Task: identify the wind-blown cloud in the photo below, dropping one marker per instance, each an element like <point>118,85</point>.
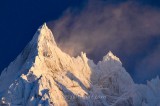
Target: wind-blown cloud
<point>124,28</point>
<point>149,67</point>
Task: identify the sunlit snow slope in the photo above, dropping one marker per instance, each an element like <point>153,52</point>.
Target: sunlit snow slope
<point>43,75</point>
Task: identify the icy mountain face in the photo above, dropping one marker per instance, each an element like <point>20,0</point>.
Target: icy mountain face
<point>43,75</point>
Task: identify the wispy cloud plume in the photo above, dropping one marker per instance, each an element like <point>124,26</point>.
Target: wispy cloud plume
<point>124,28</point>
<point>149,67</point>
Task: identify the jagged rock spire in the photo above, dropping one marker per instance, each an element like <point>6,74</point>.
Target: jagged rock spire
<point>111,56</point>
<point>42,35</point>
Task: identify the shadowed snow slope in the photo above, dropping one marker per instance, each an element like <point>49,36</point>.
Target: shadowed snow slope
<point>43,75</point>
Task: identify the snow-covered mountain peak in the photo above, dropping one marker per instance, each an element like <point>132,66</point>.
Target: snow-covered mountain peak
<point>44,26</point>
<point>43,42</point>
<point>111,56</point>
<point>43,75</point>
<point>31,61</point>
<point>43,36</point>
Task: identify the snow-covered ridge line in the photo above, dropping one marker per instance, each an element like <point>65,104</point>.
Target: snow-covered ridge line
<point>43,75</point>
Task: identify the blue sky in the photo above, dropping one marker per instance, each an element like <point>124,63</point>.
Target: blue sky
<point>132,33</point>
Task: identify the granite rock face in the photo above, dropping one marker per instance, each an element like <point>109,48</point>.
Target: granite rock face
<point>43,75</point>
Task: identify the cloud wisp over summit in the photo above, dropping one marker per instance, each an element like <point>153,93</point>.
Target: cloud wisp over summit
<point>127,28</point>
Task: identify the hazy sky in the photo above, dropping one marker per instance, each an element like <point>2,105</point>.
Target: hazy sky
<point>129,28</point>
